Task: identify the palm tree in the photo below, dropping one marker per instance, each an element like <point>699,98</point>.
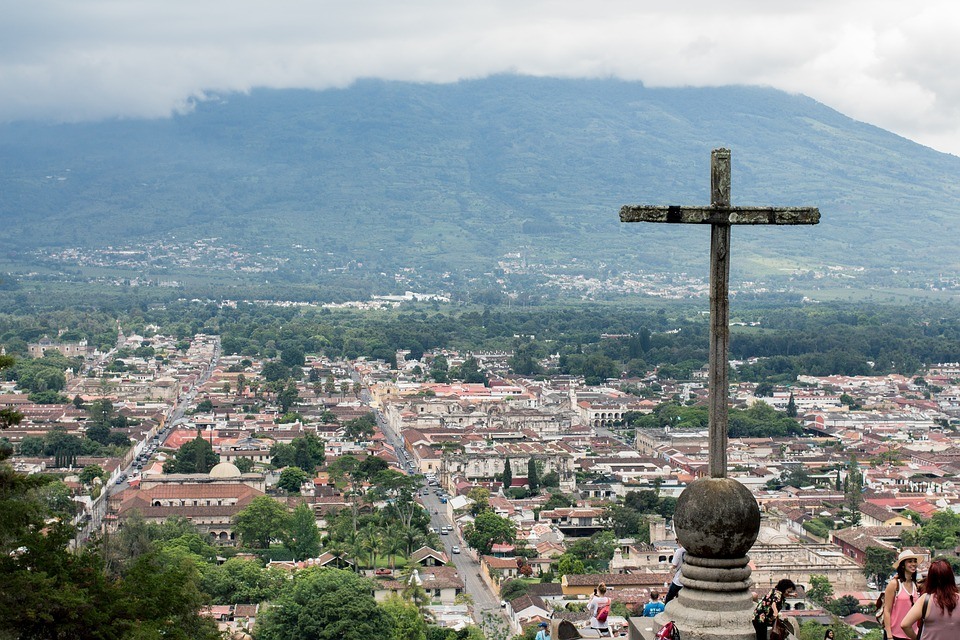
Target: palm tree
<point>393,543</point>
<point>351,545</point>
<point>412,539</point>
<point>370,542</point>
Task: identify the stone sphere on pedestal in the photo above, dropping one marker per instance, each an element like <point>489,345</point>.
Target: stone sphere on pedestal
<point>717,518</point>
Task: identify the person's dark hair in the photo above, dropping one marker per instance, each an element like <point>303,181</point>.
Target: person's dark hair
<point>828,634</point>
<point>902,572</point>
<point>654,595</point>
<point>942,585</point>
<point>785,585</point>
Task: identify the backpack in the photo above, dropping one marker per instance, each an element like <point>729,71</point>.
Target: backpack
<point>603,611</point>
<point>878,613</point>
<point>668,631</point>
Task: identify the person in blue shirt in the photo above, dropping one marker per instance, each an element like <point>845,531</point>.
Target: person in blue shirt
<point>653,607</point>
<point>544,632</point>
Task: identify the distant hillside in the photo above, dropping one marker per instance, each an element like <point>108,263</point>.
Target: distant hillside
<point>383,176</point>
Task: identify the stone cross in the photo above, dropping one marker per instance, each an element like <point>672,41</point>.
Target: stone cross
<point>720,216</point>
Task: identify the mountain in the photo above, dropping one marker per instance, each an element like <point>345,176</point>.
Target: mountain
<point>382,178</point>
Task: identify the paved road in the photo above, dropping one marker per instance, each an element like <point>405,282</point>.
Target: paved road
<point>483,598</point>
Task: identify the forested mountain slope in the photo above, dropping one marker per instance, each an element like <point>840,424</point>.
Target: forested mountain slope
<point>452,177</point>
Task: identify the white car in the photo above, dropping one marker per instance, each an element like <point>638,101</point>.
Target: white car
<point>455,549</point>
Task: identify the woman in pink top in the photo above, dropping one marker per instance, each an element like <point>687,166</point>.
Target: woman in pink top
<point>901,594</point>
<point>942,621</point>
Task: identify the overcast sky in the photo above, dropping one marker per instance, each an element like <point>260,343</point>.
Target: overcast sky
<point>892,63</point>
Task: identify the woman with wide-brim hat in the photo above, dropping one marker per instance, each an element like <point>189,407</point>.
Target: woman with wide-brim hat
<point>900,594</point>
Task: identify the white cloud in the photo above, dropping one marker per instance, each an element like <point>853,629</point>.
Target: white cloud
<point>887,62</point>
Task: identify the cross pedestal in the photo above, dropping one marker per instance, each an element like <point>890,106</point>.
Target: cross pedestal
<point>717,519</point>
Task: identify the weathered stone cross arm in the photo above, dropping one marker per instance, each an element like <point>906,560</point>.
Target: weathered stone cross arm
<point>720,215</point>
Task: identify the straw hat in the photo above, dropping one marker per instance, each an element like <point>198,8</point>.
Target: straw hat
<point>906,554</point>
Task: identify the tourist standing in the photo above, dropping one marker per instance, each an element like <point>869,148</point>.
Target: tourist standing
<point>675,575</point>
<point>941,596</point>
<point>599,608</point>
<point>901,594</point>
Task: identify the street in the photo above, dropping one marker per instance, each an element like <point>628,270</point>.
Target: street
<point>483,598</point>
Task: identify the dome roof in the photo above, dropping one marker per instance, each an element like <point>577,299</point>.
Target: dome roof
<point>225,470</point>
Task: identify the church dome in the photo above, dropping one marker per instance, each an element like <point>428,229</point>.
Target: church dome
<point>225,470</point>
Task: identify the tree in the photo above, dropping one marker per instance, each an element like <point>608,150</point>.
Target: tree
<point>360,428</point>
<point>627,522</point>
<point>245,465</point>
<point>843,606</point>
<point>853,493</point>
<point>820,591</point>
<point>55,498</point>
<point>941,531</point>
<point>470,372</point>
<point>98,432</point>
<point>533,482</point>
<point>507,476</point>
<point>101,412</point>
<point>763,390</point>
<point>595,551</point>
<point>288,397</point>
<point>293,356</point>
<point>92,472</point>
<point>62,446</point>
<point>274,370</point>
<point>439,369</point>
<point>560,501</point>
<point>51,591</point>
<point>260,522</point>
<point>195,456</point>
<point>643,501</point>
<point>370,466</point>
<point>291,479</point>
<point>513,589</point>
<point>343,471</point>
<point>409,623</point>
<point>239,580</point>
<point>31,446</point>
<point>283,455</point>
<point>488,529</point>
<point>791,407</point>
<point>568,564</point>
<point>878,563</point>
<point>325,604</point>
<point>481,500</point>
<point>302,537</point>
<point>48,397</point>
